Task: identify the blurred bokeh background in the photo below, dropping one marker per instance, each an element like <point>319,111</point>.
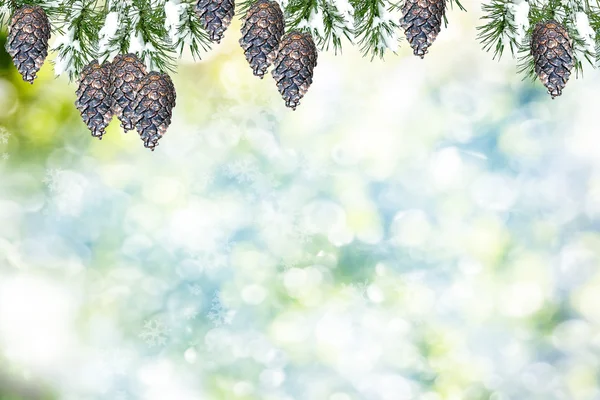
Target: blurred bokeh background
<point>417,229</point>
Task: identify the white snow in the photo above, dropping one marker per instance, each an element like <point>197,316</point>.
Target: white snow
<point>314,22</point>
<point>150,48</point>
<point>64,46</point>
<point>76,9</point>
<point>283,4</point>
<point>62,63</point>
<point>520,13</point>
<point>347,11</point>
<point>586,32</point>
<point>388,31</point>
<point>108,31</point>
<point>173,13</point>
<point>136,42</point>
<point>65,39</point>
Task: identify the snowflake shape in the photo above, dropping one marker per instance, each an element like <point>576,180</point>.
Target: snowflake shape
<point>4,156</point>
<point>301,234</point>
<point>195,289</point>
<point>4,136</point>
<point>361,288</point>
<point>219,314</point>
<point>214,258</point>
<point>287,264</point>
<point>243,171</point>
<point>189,313</point>
<point>52,178</point>
<point>154,333</point>
<point>358,289</point>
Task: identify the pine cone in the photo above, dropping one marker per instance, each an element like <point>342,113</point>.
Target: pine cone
<point>153,107</point>
<point>422,21</point>
<point>294,66</point>
<point>94,97</point>
<point>27,41</point>
<point>127,74</point>
<point>552,53</point>
<point>215,16</point>
<point>261,34</point>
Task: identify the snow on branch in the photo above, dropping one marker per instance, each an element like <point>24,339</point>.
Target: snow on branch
<point>159,31</point>
<point>509,24</point>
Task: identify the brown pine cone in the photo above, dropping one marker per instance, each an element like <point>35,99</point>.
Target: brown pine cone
<point>127,74</point>
<point>261,34</point>
<point>294,66</point>
<point>27,42</point>
<point>94,97</point>
<point>422,21</point>
<point>153,107</point>
<point>215,16</point>
<point>552,52</point>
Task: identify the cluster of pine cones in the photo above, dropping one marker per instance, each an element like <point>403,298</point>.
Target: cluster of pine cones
<point>551,46</point>
<point>293,55</point>
<point>145,101</point>
<point>142,101</point>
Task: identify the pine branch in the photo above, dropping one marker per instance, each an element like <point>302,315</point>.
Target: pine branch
<point>376,27</point>
<point>159,31</point>
<point>510,24</point>
<point>77,45</point>
<point>565,14</point>
<point>184,28</point>
<point>149,38</point>
<point>499,28</point>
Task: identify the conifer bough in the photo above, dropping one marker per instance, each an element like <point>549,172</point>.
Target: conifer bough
<point>159,31</point>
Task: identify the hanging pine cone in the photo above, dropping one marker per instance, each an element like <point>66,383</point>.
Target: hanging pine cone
<point>261,34</point>
<point>215,16</point>
<point>294,66</point>
<point>127,74</point>
<point>552,53</point>
<point>94,97</point>
<point>27,41</point>
<point>422,21</point>
<point>153,107</point>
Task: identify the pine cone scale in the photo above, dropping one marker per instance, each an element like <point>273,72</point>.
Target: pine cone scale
<point>94,97</point>
<point>27,42</point>
<point>552,52</point>
<point>294,66</point>
<point>422,22</point>
<point>215,16</point>
<point>153,108</point>
<point>128,72</point>
<point>261,34</point>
